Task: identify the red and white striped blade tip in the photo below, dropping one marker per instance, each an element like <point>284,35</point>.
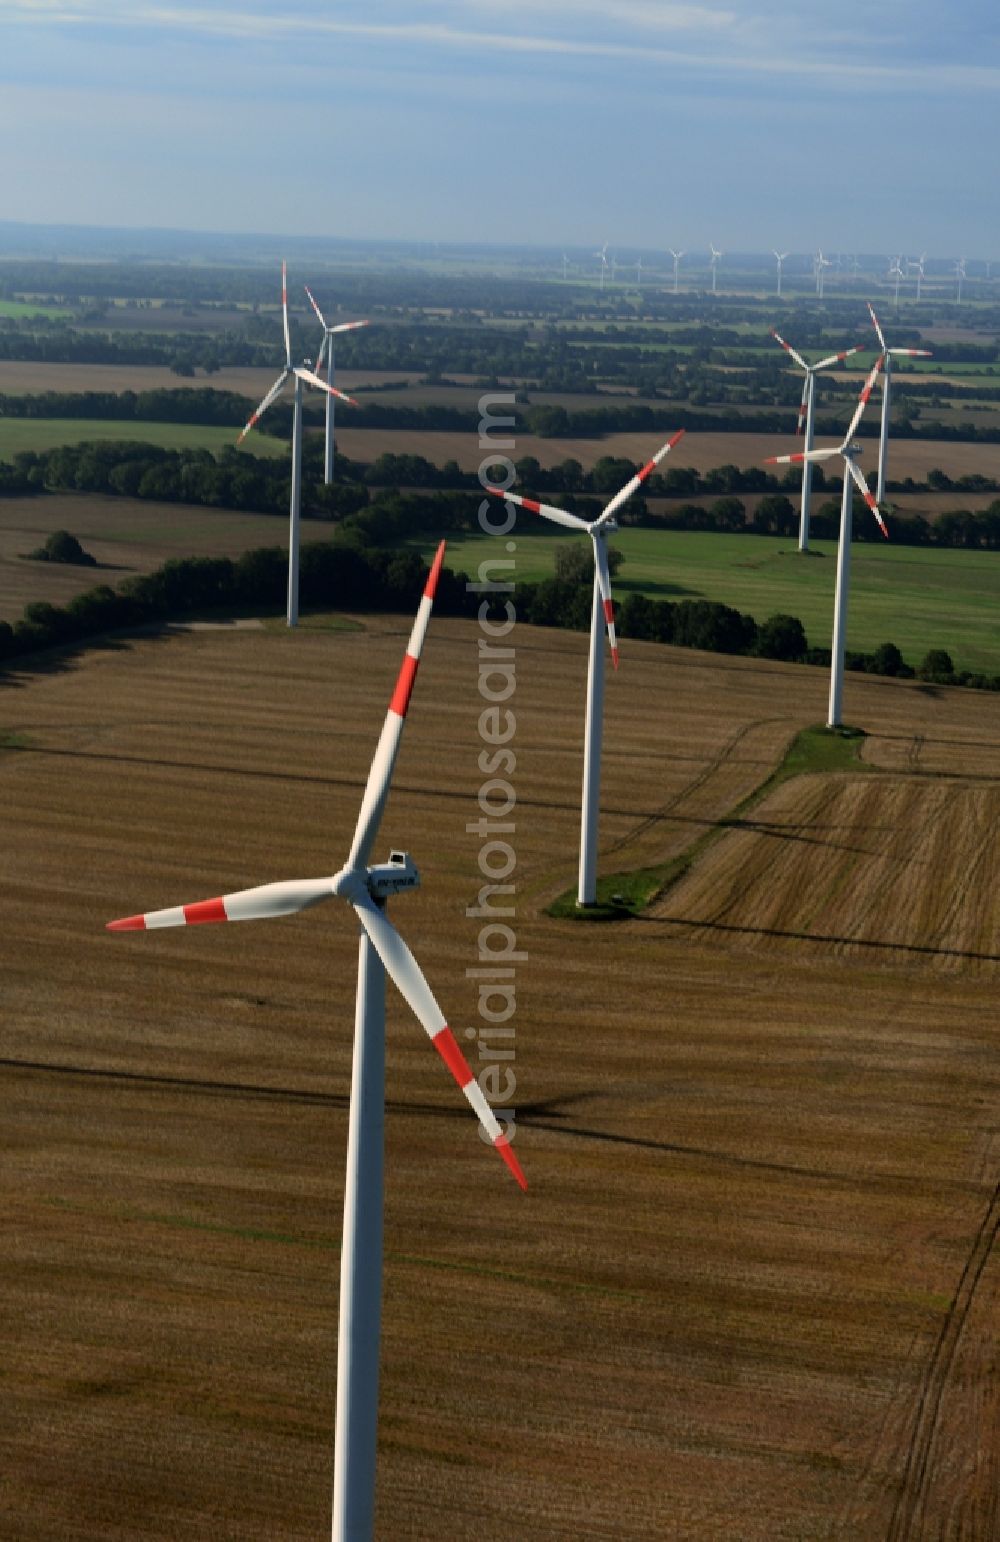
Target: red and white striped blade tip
<point>506,1150</point>
<point>430,588</point>
<point>315,307</point>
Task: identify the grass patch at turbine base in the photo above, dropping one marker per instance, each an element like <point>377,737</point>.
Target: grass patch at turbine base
<point>815,750</point>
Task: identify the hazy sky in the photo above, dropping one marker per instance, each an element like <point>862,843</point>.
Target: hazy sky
<point>865,124</point>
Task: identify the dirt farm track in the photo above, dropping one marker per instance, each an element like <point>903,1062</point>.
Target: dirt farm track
<point>752,1291</point>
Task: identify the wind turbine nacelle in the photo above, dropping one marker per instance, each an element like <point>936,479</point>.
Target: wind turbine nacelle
<point>610,525</point>
<point>388,878</point>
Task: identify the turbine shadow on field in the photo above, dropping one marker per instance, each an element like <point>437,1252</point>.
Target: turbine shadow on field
<point>656,588</point>
<point>256,773</point>
<point>540,1115</point>
<point>921,949</point>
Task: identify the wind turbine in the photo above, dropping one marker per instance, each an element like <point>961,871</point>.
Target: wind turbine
<point>381,951</point>
<point>896,272</point>
<point>960,275</point>
<point>638,271</point>
<point>888,355</point>
<point>301,373</point>
<point>852,474</point>
<point>713,262</point>
<point>781,257</point>
<point>917,266</point>
<point>677,263</point>
<point>806,417</point>
<point>565,266</point>
<point>329,333</point>
<point>602,256</point>
<point>602,615</point>
<point>820,262</point>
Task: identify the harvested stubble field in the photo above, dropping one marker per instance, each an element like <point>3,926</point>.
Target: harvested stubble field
<point>124,535</point>
<point>29,377</point>
<point>908,457</point>
<point>749,1292</point>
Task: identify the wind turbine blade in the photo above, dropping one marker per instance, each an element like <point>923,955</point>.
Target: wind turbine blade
<point>321,385</point>
<point>604,582</point>
<point>803,404</point>
<point>638,479</point>
<point>866,391</point>
<point>322,350</point>
<point>859,478</point>
<point>800,361</point>
<point>910,353</point>
<point>836,358</point>
<point>380,774</point>
<point>268,399</point>
<point>406,974</point>
<point>800,456</point>
<point>558,516</point>
<point>875,324</point>
<point>349,326</point>
<point>284,315</point>
<point>270,899</point>
<point>312,302</point>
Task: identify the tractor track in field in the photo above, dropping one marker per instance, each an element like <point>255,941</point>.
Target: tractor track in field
<point>910,1508</point>
<point>707,771</point>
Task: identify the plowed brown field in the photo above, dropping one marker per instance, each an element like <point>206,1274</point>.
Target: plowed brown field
<point>752,1289</point>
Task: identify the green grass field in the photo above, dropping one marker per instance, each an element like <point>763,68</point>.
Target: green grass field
<point>18,434</point>
<point>913,596</point>
<point>20,310</point>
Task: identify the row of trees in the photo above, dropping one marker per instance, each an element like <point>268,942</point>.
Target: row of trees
<point>369,497</point>
<point>344,574</point>
<point>547,421</point>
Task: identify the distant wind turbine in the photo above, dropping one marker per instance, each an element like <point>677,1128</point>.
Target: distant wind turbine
<point>853,475</point>
<point>301,373</point>
<point>806,419</point>
<point>780,258</point>
<point>960,275</point>
<point>714,261</point>
<point>565,265</point>
<point>820,264</point>
<point>896,272</point>
<point>888,355</point>
<point>677,263</point>
<point>602,257</point>
<point>638,271</point>
<point>329,333</point>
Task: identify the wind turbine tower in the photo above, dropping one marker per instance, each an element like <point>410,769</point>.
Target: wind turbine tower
<point>329,333</point>
<point>302,373</point>
<point>780,256</point>
<point>382,951</point>
<point>677,264</point>
<point>888,354</point>
<point>820,265</point>
<point>602,617</point>
<point>853,476</point>
<point>714,261</point>
<point>896,272</point>
<point>806,407</point>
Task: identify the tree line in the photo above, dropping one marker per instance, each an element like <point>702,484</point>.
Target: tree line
<point>345,574</point>
<point>371,499</point>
